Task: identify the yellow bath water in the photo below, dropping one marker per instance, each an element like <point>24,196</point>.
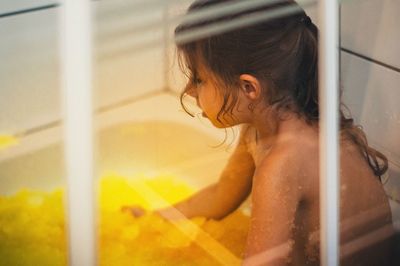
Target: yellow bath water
<point>32,227</point>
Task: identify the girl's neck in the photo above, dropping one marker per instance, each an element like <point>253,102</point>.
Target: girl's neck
<point>270,130</point>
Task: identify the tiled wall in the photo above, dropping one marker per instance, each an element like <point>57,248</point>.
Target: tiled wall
<point>370,41</point>
<point>370,27</point>
<point>129,50</point>
<point>128,58</point>
<point>29,71</point>
<point>12,6</point>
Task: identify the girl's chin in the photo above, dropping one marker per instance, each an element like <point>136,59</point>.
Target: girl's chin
<point>216,123</point>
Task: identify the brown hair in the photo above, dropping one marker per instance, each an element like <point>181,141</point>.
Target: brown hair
<point>281,52</point>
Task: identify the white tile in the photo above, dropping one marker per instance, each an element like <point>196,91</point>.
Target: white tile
<point>125,65</point>
<point>372,93</point>
<point>29,72</point>
<point>122,77</point>
<point>371,28</point>
<point>128,42</point>
<point>7,6</point>
<point>312,12</point>
<point>176,78</point>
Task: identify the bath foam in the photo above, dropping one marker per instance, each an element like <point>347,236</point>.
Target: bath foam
<point>32,227</point>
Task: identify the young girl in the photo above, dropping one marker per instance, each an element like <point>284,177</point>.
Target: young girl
<point>265,77</point>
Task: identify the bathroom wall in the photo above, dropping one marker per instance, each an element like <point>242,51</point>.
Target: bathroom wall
<point>12,6</point>
<point>29,69</point>
<point>370,57</point>
<point>128,57</point>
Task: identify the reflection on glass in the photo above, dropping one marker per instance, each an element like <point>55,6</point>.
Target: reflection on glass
<point>169,193</point>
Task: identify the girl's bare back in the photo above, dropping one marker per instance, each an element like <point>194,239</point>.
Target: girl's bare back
<point>364,210</point>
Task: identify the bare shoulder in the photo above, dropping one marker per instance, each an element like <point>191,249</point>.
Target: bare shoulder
<point>275,198</point>
<point>281,168</point>
<point>291,168</point>
<point>290,155</point>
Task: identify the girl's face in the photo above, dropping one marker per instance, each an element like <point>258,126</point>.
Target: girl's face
<point>204,89</point>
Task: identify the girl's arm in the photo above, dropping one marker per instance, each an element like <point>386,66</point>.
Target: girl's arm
<point>218,200</point>
<point>275,198</point>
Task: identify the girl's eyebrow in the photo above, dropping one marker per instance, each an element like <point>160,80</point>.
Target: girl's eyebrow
<point>197,72</point>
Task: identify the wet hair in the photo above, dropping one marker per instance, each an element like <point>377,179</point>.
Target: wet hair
<point>280,50</point>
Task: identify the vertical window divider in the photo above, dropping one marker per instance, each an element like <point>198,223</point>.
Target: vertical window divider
<point>76,67</point>
<point>329,126</point>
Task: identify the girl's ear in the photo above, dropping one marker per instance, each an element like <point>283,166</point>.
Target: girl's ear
<point>250,86</point>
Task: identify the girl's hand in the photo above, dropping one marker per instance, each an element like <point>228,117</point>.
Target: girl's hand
<point>166,213</point>
<point>136,211</point>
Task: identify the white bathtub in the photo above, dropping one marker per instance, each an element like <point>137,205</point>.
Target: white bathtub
<point>151,135</point>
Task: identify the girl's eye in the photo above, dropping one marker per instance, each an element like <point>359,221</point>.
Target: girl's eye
<point>197,81</point>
